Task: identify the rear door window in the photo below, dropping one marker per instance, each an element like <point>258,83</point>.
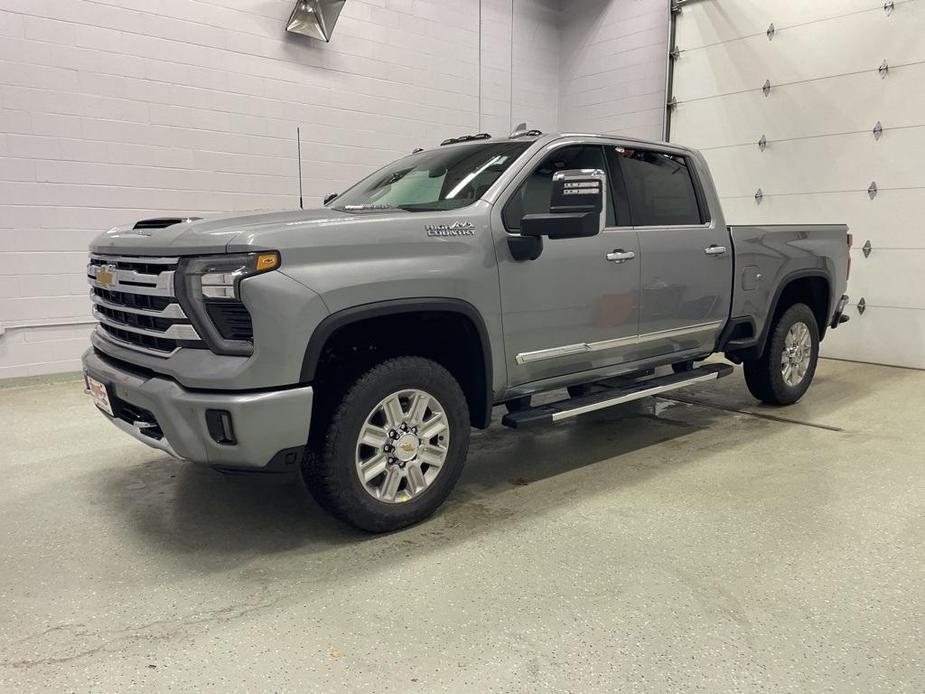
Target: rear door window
<point>659,187</point>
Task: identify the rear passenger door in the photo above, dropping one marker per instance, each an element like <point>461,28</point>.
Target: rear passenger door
<point>685,258</point>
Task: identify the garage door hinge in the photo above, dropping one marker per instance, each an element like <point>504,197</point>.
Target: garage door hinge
<point>878,130</point>
<point>884,69</point>
<point>770,31</point>
<point>872,190</point>
<point>767,87</point>
<point>672,102</point>
<point>675,53</point>
<point>862,306</point>
<point>888,7</point>
<point>763,143</point>
<point>866,248</point>
<point>758,196</point>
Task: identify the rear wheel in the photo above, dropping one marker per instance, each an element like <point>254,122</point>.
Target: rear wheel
<point>784,372</point>
<point>393,448</point>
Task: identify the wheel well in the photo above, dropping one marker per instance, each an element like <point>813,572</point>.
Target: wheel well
<point>447,337</point>
<point>812,291</point>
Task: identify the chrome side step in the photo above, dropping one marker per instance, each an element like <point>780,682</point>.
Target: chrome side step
<point>612,395</point>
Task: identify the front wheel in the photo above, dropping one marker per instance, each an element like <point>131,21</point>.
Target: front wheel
<point>393,448</point>
<point>783,373</point>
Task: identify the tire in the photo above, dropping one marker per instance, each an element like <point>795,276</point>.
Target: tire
<point>519,404</point>
<point>767,377</point>
<point>333,467</point>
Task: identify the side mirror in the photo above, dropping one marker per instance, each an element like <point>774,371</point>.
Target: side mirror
<point>576,207</point>
<point>329,197</point>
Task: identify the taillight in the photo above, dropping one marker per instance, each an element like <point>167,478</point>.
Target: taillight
<point>850,243</point>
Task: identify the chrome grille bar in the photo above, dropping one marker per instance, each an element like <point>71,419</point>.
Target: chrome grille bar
<point>171,311</point>
<point>137,259</point>
<point>177,331</point>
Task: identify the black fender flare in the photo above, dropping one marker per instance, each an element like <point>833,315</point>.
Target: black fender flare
<point>340,319</point>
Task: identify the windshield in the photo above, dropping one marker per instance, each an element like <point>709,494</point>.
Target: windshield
<point>442,179</point>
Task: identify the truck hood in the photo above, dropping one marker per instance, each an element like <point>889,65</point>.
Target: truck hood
<point>209,235</point>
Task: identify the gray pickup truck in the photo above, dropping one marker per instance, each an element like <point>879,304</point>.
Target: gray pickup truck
<point>359,342</point>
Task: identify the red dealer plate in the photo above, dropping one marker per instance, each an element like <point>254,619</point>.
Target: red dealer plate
<point>100,395</point>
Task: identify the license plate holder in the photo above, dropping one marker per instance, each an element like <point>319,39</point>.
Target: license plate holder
<point>99,392</point>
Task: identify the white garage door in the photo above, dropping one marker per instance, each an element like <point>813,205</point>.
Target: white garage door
<point>827,94</point>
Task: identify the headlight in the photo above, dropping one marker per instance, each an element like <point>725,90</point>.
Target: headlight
<point>209,290</point>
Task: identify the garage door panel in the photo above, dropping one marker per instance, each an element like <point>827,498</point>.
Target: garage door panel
<point>802,53</point>
<point>836,163</point>
<point>854,102</point>
<point>821,156</point>
<point>884,277</point>
<point>711,22</point>
<point>892,220</point>
<point>894,336</point>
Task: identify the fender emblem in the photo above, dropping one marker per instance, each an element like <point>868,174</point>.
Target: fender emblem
<point>454,229</point>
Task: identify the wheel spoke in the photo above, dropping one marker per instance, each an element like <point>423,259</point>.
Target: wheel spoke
<point>372,468</point>
<point>393,411</point>
<point>418,408</point>
<point>393,477</point>
<point>433,426</point>
<point>415,477</point>
<point>373,436</point>
<point>431,456</point>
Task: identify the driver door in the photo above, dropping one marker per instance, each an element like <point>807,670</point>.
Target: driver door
<point>576,306</point>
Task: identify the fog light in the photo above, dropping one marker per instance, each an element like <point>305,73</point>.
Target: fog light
<point>220,428</point>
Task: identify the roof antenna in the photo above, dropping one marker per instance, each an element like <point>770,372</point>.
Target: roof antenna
<point>298,139</point>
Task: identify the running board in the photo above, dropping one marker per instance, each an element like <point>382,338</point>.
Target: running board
<point>610,396</point>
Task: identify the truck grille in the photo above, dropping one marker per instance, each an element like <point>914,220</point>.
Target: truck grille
<point>134,301</point>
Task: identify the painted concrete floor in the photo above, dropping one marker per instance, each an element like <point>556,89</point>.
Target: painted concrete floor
<point>672,545</point>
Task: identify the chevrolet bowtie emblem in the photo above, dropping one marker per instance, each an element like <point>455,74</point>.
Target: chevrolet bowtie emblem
<point>104,276</point>
<point>408,447</point>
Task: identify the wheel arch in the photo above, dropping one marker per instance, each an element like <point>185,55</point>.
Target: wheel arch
<point>810,286</point>
<point>472,370</point>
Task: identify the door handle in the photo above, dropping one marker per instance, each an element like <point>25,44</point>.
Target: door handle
<point>620,256</point>
<point>714,250</point>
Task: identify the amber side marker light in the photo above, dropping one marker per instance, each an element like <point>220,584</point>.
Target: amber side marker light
<point>267,261</point>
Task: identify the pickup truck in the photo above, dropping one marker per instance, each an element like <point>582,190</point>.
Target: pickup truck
<point>358,343</point>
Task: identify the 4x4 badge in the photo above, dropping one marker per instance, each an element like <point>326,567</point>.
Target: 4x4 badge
<point>454,229</point>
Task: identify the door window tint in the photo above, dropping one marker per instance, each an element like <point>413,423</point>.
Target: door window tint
<point>659,187</point>
<point>532,197</point>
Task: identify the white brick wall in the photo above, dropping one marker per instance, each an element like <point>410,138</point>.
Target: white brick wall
<point>113,110</point>
<point>612,71</point>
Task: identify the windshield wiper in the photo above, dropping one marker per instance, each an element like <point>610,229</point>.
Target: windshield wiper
<point>424,208</point>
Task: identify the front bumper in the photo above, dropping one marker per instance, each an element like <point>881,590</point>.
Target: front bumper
<point>269,426</point>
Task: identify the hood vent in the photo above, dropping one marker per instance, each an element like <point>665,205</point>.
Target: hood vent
<point>163,222</point>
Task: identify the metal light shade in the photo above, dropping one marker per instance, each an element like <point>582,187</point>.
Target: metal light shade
<point>315,18</point>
